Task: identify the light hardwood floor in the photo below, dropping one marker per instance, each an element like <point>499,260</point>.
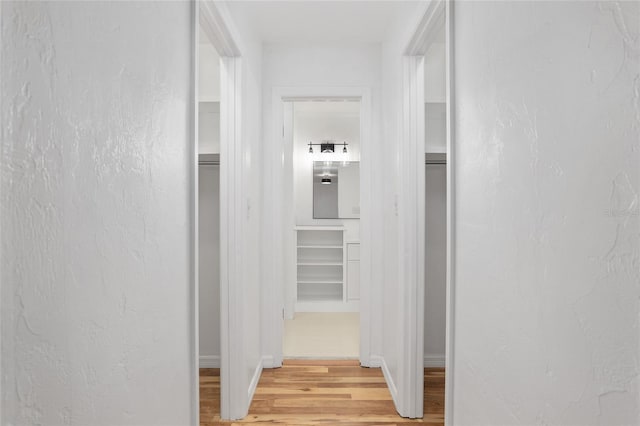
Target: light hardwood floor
<point>322,392</point>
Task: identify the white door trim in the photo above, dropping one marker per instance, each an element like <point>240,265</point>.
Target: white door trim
<point>194,321</point>
<point>451,224</point>
<point>234,398</point>
<point>281,223</point>
<point>437,14</point>
<point>412,238</point>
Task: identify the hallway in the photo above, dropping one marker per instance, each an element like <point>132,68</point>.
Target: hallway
<point>322,392</point>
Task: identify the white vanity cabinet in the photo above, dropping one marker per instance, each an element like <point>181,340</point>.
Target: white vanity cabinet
<point>353,270</point>
<point>321,276</point>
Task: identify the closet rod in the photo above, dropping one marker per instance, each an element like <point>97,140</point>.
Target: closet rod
<point>435,158</point>
<point>209,159</point>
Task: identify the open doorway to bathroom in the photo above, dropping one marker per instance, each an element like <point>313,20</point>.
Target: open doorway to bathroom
<point>322,137</point>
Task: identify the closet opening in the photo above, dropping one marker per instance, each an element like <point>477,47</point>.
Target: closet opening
<point>322,309</point>
<point>437,216</point>
<point>208,226</point>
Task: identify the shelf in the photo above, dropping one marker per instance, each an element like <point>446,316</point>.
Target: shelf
<point>321,228</point>
<point>320,268</point>
<point>320,298</point>
<point>320,281</point>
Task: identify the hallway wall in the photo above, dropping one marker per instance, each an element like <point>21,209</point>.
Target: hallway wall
<point>95,196</point>
<point>547,246</point>
<point>246,255</point>
<point>394,336</point>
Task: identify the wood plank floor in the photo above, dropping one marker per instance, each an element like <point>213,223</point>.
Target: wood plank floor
<point>322,392</point>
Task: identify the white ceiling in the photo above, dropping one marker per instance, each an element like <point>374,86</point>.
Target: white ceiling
<point>313,21</point>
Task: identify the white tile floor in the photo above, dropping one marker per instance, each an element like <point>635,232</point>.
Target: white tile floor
<point>322,336</point>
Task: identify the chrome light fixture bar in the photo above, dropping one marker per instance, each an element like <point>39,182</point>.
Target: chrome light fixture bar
<point>328,147</point>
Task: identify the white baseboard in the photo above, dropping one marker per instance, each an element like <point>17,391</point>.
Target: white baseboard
<point>390,383</point>
<point>209,361</point>
<point>267,362</point>
<point>375,361</point>
<point>434,361</point>
<point>254,380</point>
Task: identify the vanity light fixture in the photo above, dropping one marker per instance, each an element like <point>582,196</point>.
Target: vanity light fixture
<point>327,147</point>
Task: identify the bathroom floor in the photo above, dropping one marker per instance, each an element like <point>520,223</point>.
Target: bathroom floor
<point>311,335</point>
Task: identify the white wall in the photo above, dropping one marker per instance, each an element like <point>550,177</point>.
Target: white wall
<point>95,216</point>
<point>208,71</point>
<point>209,253</point>
<point>209,127</point>
<point>547,223</point>
<point>435,72</point>
<point>435,271</point>
<point>388,261</point>
<point>318,121</point>
<point>246,256</point>
<point>435,119</point>
<point>435,85</point>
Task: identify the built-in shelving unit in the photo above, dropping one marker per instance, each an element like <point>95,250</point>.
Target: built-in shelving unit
<point>320,275</point>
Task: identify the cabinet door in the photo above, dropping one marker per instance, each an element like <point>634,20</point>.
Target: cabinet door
<point>353,280</point>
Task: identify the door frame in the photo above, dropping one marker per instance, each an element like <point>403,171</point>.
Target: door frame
<point>281,225</point>
<point>438,13</point>
<point>233,398</point>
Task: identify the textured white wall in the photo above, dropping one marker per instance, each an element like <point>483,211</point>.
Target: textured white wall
<point>95,217</point>
<point>547,250</point>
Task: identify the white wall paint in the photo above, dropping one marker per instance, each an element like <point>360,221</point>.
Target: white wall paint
<point>349,191</point>
<point>209,252</point>
<point>435,264</point>
<point>247,253</point>
<point>209,128</point>
<point>547,100</point>
<point>387,264</point>
<point>209,71</point>
<point>435,120</point>
<point>435,73</point>
<point>316,121</point>
<point>96,167</point>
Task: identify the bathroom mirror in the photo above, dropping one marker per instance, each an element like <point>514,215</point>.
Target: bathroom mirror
<point>336,190</point>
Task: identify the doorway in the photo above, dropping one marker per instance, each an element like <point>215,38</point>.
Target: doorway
<point>283,283</point>
<point>322,136</point>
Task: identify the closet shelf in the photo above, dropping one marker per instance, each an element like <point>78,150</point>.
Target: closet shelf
<point>319,281</point>
<point>319,246</point>
<point>320,298</point>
